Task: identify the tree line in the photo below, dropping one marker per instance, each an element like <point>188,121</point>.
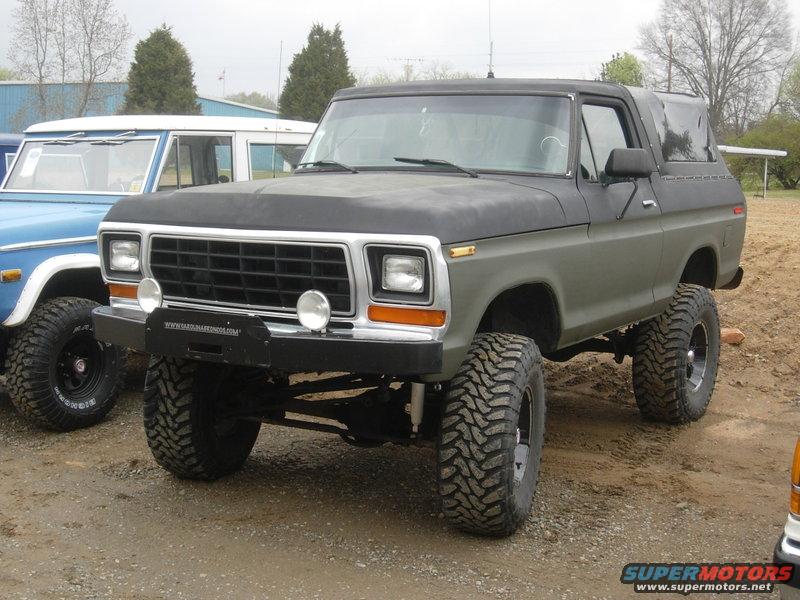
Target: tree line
<point>739,55</point>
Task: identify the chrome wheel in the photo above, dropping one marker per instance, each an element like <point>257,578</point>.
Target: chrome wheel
<point>697,357</point>
<point>522,450</point>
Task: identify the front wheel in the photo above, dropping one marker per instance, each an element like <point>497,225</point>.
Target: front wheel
<point>676,356</point>
<point>491,435</point>
<point>58,374</point>
<point>184,418</point>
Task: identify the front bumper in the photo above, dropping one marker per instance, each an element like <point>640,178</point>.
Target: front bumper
<point>248,341</point>
<point>788,553</point>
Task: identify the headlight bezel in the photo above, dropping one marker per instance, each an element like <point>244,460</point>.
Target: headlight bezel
<point>106,239</point>
<point>375,254</point>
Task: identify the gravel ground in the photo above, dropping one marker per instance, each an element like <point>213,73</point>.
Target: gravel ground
<point>90,515</point>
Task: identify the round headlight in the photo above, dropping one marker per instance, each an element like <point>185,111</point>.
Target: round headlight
<point>149,295</point>
<point>314,310</point>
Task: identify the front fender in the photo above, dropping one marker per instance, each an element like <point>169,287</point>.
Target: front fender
<point>38,280</point>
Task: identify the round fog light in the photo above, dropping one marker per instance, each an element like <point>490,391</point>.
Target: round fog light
<point>314,310</point>
<point>149,295</point>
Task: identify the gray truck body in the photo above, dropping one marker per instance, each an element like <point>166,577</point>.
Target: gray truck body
<point>552,258</point>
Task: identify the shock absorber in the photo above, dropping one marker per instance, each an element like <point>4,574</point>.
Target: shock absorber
<point>417,405</point>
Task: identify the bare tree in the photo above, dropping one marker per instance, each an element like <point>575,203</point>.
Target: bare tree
<point>101,40</point>
<point>30,50</point>
<point>68,42</point>
<point>428,71</point>
<point>727,51</point>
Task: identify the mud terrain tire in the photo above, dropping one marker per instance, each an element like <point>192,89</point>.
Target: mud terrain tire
<point>491,435</point>
<point>676,356</point>
<point>58,375</point>
<point>185,435</point>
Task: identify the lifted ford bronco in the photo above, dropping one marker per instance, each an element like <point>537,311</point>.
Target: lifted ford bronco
<point>437,241</point>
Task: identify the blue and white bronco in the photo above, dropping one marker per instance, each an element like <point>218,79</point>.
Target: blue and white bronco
<point>65,177</point>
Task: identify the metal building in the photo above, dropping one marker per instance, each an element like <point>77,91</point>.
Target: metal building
<point>20,102</point>
<point>8,148</point>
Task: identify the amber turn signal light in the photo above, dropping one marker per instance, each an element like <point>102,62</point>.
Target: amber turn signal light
<point>407,316</point>
<point>794,502</point>
<point>794,498</point>
<point>796,464</point>
<point>9,275</point>
<point>122,290</point>
<point>462,251</point>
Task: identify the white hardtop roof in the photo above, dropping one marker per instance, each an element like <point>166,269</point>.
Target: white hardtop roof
<point>124,123</point>
<point>752,151</point>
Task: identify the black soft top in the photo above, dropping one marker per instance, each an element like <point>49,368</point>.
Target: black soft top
<point>486,86</point>
<point>645,102</point>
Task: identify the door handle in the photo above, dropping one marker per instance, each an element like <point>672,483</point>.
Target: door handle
<point>648,203</point>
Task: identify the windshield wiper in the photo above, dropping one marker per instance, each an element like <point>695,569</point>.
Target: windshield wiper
<point>114,140</point>
<point>436,162</point>
<point>329,163</point>
<point>72,138</point>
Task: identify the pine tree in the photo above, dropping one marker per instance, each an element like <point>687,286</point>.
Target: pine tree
<point>161,80</point>
<point>316,72</point>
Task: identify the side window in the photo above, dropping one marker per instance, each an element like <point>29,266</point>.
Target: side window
<point>588,170</point>
<point>268,159</point>
<point>9,159</point>
<point>603,130</point>
<point>197,160</point>
<point>683,129</point>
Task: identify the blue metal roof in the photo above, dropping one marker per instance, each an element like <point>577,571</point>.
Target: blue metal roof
<point>19,103</point>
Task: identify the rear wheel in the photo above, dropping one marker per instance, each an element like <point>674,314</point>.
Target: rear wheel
<point>58,374</point>
<point>491,435</point>
<point>183,404</point>
<point>676,356</point>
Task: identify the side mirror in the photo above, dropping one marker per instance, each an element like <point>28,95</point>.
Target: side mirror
<point>628,163</point>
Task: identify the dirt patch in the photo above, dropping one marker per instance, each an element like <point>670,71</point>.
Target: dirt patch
<point>89,515</point>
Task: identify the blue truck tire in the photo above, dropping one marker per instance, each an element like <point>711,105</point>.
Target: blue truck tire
<point>58,375</point>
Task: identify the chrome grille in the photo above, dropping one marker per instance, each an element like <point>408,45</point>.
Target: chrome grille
<point>264,275</point>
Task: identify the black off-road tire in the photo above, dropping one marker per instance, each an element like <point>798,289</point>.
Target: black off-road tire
<point>59,332</point>
<point>666,379</point>
<point>181,398</point>
<point>484,418</point>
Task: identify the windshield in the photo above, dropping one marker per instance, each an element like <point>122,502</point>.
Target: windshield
<point>98,165</point>
<point>528,134</point>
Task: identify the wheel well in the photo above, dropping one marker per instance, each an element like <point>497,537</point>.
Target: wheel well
<point>81,283</point>
<point>530,310</point>
<point>701,268</point>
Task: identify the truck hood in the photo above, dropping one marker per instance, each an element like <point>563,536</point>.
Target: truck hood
<point>452,208</point>
<point>36,221</point>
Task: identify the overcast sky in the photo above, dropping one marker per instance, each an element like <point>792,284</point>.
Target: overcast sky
<point>532,38</point>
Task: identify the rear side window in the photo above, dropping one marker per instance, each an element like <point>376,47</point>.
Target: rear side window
<point>603,131</point>
<point>682,128</point>
<point>268,160</point>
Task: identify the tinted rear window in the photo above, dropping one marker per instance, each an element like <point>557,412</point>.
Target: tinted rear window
<point>682,128</point>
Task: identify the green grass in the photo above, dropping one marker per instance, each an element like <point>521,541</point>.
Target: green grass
<point>774,194</point>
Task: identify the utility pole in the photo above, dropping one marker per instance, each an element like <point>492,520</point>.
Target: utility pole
<point>669,63</point>
<point>408,68</point>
